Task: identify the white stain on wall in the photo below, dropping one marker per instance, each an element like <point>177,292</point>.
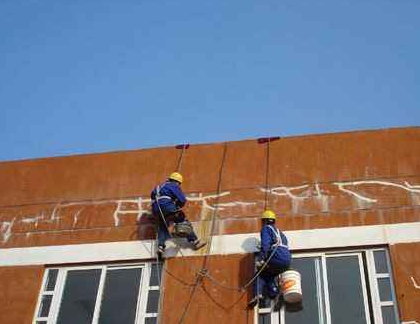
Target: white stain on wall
<point>286,191</point>
<point>297,199</point>
<point>32,219</point>
<point>414,283</point>
<point>139,210</point>
<point>6,230</point>
<point>221,206</point>
<point>341,186</point>
<point>203,199</point>
<point>365,202</point>
<point>322,199</point>
<point>297,194</point>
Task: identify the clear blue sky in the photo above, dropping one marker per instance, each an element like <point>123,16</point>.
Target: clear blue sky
<point>93,76</point>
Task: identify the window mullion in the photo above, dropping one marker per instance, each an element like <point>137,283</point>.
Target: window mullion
<point>364,288</point>
<point>393,293</point>
<point>99,296</point>
<point>377,313</point>
<point>38,304</point>
<point>142,295</point>
<point>326,294</point>
<point>320,297</point>
<point>58,295</point>
<point>274,315</point>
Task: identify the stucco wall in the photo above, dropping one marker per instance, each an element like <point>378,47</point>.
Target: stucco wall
<point>406,269</point>
<point>317,181</point>
<point>19,293</point>
<point>202,301</point>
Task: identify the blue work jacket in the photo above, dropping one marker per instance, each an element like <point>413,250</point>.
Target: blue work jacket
<point>170,198</point>
<point>268,244</point>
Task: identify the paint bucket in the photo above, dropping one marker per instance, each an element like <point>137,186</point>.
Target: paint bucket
<point>182,229</point>
<point>291,286</point>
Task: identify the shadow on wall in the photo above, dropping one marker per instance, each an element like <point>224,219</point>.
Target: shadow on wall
<point>251,244</point>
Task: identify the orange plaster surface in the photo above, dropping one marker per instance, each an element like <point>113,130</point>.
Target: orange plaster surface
<point>19,293</point>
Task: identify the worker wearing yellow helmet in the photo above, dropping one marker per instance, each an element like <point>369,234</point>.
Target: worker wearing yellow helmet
<point>273,258</point>
<point>167,202</point>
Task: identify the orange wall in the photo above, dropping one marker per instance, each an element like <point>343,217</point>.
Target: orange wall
<point>19,293</point>
<point>316,182</point>
<point>406,268</point>
<point>207,302</point>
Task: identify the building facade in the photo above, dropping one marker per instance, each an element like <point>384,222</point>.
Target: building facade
<point>77,245</point>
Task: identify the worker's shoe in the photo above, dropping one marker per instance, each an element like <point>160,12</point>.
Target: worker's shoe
<point>198,244</point>
<point>160,252</point>
<point>254,301</point>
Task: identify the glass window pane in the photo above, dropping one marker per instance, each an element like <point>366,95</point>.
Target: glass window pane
<point>345,290</point>
<point>51,279</point>
<point>156,269</point>
<point>44,309</point>
<point>264,318</point>
<point>380,262</point>
<point>79,297</point>
<point>388,315</point>
<point>384,285</point>
<point>119,300</point>
<point>312,304</point>
<point>152,301</point>
<point>150,320</point>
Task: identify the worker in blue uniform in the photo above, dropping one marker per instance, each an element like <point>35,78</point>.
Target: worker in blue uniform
<point>274,257</point>
<point>167,202</point>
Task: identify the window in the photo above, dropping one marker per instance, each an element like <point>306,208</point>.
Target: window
<point>339,288</point>
<point>103,294</point>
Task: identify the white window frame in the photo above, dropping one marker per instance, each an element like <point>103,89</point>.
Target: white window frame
<point>57,293</point>
<point>371,278</point>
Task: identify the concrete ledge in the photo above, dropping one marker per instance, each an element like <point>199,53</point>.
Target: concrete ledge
<point>340,237</point>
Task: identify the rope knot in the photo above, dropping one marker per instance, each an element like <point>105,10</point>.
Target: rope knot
<point>202,273</point>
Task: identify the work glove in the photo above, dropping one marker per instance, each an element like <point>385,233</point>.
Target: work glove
<point>259,264</point>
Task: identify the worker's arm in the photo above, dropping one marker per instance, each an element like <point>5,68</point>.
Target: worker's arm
<point>265,242</point>
<point>180,198</point>
<point>153,194</point>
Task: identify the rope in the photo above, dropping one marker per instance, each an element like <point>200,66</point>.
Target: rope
<point>266,205</point>
<point>250,282</point>
<point>267,171</point>
<point>184,146</point>
<point>216,209</point>
<point>203,272</point>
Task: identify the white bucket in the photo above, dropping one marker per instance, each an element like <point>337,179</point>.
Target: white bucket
<point>291,286</point>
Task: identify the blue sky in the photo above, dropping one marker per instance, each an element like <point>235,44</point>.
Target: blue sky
<point>94,76</point>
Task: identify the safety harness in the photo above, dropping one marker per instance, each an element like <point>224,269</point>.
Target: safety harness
<point>158,196</point>
<point>279,241</point>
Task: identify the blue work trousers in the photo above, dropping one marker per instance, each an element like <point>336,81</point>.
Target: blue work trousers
<point>176,217</point>
<point>267,281</point>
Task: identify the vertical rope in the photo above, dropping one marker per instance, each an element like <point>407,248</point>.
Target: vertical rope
<point>267,171</point>
<point>216,209</point>
<point>178,167</point>
<point>160,309</point>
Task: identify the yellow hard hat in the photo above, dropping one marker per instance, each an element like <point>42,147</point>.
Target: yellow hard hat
<point>176,176</point>
<point>268,214</point>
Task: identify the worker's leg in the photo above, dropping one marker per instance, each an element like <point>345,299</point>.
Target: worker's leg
<point>163,233</point>
<point>259,286</point>
<point>272,287</point>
